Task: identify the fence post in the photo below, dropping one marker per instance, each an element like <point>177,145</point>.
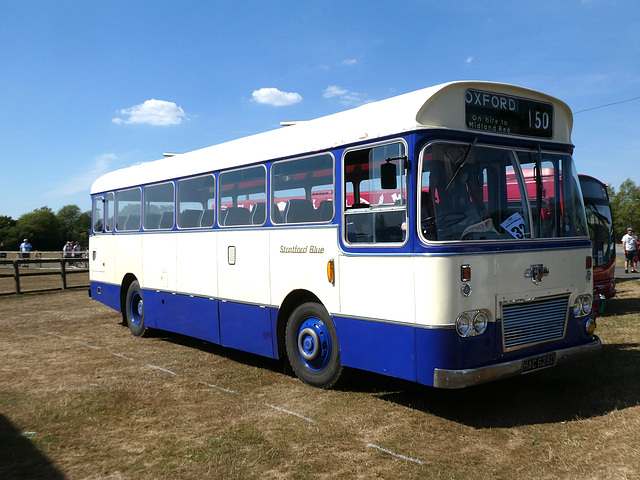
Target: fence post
<point>16,274</point>
<point>63,272</point>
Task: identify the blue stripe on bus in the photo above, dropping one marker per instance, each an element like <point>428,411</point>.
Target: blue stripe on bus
<point>193,316</point>
<point>108,294</point>
<point>408,352</point>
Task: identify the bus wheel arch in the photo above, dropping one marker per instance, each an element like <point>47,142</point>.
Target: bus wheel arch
<point>134,310</point>
<point>311,342</point>
<point>128,279</point>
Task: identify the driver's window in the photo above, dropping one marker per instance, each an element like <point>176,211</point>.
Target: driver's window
<point>469,192</point>
<point>375,210</point>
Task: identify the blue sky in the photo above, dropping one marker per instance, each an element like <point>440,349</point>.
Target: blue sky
<point>87,87</point>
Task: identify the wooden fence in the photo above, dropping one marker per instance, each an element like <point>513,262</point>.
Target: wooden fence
<point>36,265</point>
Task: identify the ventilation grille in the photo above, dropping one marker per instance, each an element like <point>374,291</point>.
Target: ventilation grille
<point>526,324</point>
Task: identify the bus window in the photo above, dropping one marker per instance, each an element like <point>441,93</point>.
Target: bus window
<point>243,196</point>
<point>109,207</point>
<point>98,214</point>
<point>158,207</point>
<point>128,203</point>
<point>302,190</point>
<point>471,193</point>
<point>195,201</point>
<point>554,195</point>
<point>374,214</point>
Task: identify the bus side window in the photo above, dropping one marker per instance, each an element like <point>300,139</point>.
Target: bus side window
<point>195,197</point>
<point>240,191</point>
<point>128,207</point>
<point>98,214</point>
<point>300,187</point>
<point>109,205</point>
<point>375,209</point>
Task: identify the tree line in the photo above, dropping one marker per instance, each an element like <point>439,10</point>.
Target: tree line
<point>625,205</point>
<point>46,230</point>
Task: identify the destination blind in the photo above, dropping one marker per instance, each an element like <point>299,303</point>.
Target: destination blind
<point>498,113</point>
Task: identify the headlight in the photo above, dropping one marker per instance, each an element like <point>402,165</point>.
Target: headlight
<point>463,324</point>
<point>587,304</point>
<point>576,307</point>
<point>582,305</point>
<point>480,322</point>
<point>472,323</point>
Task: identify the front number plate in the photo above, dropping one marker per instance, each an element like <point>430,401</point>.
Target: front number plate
<point>537,363</point>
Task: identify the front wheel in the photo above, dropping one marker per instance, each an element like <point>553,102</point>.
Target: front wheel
<point>134,310</point>
<point>312,346</point>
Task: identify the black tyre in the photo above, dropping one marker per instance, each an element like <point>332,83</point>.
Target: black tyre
<point>134,310</point>
<point>312,346</point>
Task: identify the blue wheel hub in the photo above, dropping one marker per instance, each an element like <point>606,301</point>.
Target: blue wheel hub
<point>136,309</point>
<point>314,344</point>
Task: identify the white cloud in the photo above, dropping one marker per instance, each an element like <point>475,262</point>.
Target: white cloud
<point>334,91</point>
<point>152,112</point>
<point>469,59</point>
<point>345,97</point>
<point>350,61</point>
<point>275,97</point>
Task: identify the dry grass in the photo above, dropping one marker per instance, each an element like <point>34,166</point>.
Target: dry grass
<point>80,398</point>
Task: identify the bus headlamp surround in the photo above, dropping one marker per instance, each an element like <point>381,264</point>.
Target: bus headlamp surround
<point>470,324</point>
<point>582,305</point>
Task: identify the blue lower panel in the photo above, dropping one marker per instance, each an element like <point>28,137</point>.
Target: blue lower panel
<point>408,352</point>
<point>384,348</point>
<point>193,316</point>
<point>246,327</point>
<point>107,294</point>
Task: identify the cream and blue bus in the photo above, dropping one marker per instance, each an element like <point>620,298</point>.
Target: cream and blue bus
<point>404,237</point>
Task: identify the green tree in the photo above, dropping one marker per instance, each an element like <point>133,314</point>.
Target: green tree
<point>8,234</point>
<point>41,228</point>
<point>625,205</point>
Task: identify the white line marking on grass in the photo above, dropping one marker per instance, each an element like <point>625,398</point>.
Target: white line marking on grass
<point>56,335</point>
<point>162,369</point>
<point>86,345</point>
<point>121,356</point>
<point>219,388</point>
<point>395,454</point>
<point>310,420</point>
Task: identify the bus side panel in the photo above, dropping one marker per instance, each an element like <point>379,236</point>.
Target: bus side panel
<point>106,294</point>
<point>243,265</point>
<point>159,266</point>
<point>246,327</point>
<point>193,316</point>
<point>96,258</point>
<point>377,287</point>
<point>196,264</point>
<point>299,258</point>
<point>377,347</point>
<point>127,258</point>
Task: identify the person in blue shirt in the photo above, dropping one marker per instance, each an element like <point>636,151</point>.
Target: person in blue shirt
<point>25,248</point>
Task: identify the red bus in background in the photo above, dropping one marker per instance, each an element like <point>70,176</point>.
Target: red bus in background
<point>599,218</point>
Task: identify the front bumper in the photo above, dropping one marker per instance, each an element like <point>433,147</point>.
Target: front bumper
<point>443,378</point>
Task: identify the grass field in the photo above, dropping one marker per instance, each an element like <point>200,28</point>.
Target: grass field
<point>80,398</point>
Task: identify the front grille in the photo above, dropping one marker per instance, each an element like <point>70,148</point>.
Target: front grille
<point>525,324</point>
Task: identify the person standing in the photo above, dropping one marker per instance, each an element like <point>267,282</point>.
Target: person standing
<point>25,248</point>
<point>630,247</point>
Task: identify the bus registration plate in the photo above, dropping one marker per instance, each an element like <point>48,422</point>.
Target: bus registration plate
<point>537,363</point>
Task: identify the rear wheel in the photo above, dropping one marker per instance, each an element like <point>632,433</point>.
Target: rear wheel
<point>134,310</point>
<point>312,346</point>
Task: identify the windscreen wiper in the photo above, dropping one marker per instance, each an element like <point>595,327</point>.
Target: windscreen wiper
<point>460,162</point>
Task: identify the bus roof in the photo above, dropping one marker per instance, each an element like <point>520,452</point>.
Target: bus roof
<point>441,106</point>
